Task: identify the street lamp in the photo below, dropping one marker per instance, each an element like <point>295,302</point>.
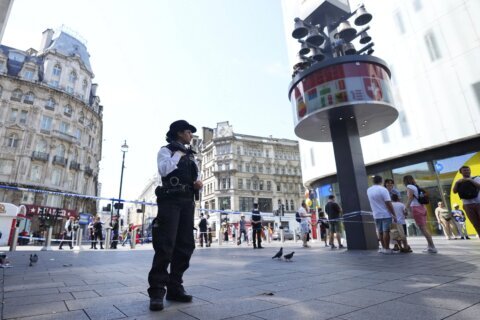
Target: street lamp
<point>124,149</point>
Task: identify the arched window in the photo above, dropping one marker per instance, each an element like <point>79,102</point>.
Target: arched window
<point>41,146</point>
<point>57,70</point>
<point>67,110</point>
<point>50,104</point>
<point>60,151</point>
<point>16,95</point>
<point>72,78</point>
<point>29,97</point>
<point>13,140</point>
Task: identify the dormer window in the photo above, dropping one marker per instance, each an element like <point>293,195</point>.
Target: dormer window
<point>72,78</point>
<point>29,98</point>
<point>16,95</point>
<point>28,74</point>
<point>57,70</point>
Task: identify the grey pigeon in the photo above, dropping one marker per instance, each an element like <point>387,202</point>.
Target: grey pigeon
<point>278,254</point>
<point>289,256</point>
<point>33,259</point>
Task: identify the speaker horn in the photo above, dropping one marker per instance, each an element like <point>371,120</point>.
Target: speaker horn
<point>365,38</point>
<point>362,17</point>
<point>300,30</point>
<point>349,49</point>
<point>346,32</point>
<point>304,50</point>
<point>314,38</point>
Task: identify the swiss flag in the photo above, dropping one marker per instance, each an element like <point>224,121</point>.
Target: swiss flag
<point>373,88</point>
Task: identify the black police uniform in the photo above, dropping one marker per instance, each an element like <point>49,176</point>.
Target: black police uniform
<point>172,229</point>
<point>256,228</point>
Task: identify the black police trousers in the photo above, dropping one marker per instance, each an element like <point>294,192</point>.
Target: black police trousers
<point>173,242</point>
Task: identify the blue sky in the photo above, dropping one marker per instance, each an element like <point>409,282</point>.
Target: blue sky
<point>159,61</point>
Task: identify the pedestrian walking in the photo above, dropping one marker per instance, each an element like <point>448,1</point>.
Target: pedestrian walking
<point>98,233</point>
<point>172,234</point>
<point>418,210</point>
<point>68,233</point>
<point>203,227</point>
<point>243,230</point>
<point>115,233</point>
<point>304,224</point>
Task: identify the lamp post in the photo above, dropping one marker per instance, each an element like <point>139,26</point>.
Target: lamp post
<point>124,149</point>
<point>338,95</point>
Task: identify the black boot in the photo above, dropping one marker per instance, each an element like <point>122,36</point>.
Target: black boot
<point>178,294</point>
<point>156,303</point>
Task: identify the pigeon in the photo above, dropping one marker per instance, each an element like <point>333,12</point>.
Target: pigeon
<point>289,256</point>
<point>278,254</point>
<point>33,259</point>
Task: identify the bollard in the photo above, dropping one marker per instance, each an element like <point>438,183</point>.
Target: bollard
<point>47,245</point>
<point>108,236</point>
<point>218,232</point>
<point>79,238</point>
<point>13,244</point>
<point>282,238</point>
<point>319,234</point>
<point>294,236</point>
<point>133,239</point>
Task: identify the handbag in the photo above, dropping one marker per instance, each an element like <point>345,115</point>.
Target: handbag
<point>396,232</point>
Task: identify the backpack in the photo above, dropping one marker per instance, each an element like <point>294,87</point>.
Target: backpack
<point>297,217</point>
<point>422,196</point>
<point>467,190</point>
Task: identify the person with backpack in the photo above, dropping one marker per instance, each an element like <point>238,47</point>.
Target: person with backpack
<point>68,233</point>
<point>468,190</point>
<point>417,198</point>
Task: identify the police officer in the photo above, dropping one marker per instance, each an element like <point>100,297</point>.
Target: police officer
<point>172,229</point>
<point>256,227</point>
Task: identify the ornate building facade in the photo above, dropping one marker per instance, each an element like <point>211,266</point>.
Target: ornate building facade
<point>50,126</point>
<point>239,170</point>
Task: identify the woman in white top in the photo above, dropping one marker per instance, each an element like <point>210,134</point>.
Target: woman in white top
<point>419,212</point>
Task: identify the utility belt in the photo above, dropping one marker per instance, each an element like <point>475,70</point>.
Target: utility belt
<point>180,190</point>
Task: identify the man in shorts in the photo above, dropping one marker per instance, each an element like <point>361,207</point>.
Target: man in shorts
<point>334,211</point>
<point>383,212</point>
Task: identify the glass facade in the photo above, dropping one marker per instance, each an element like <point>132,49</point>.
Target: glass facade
<point>436,176</point>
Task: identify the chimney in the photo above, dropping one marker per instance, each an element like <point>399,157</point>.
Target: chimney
<point>94,89</point>
<point>46,39</point>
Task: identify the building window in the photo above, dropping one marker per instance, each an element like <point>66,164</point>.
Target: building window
<point>249,184</point>
<point>56,177</point>
<point>385,136</point>
<point>64,127</point>
<point>246,204</point>
<point>224,203</point>
<point>224,183</point>
<point>6,166</point>
<point>432,46</point>
<point>279,187</point>
<point>78,134</point>
<point>29,98</point>
<point>255,184</point>
<point>36,173</point>
<point>254,169</point>
<point>13,140</point>
<point>50,104</point>
<point>60,151</point>
<point>240,183</point>
<point>292,205</point>
<point>72,78</point>
<point>404,127</point>
<point>247,167</point>
<point>28,74</point>
<point>260,185</point>
<point>57,70</point>
<point>397,17</point>
<point>41,146</point>
<point>239,150</point>
<point>417,5</point>
<point>23,117</point>
<point>13,115</point>
<point>46,124</point>
<point>67,110</point>
<point>269,186</point>
<point>260,168</point>
<point>16,95</point>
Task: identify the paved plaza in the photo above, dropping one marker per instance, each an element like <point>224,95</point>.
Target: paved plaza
<point>230,282</point>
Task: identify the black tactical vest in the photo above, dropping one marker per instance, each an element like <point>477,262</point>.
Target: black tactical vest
<point>186,172</point>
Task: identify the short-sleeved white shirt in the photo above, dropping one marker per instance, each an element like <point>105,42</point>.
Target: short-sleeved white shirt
<point>415,195</point>
<point>399,209</point>
<point>377,195</point>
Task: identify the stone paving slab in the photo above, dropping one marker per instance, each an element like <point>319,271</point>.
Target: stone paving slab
<point>233,282</point>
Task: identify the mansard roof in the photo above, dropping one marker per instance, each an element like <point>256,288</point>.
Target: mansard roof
<point>67,45</point>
